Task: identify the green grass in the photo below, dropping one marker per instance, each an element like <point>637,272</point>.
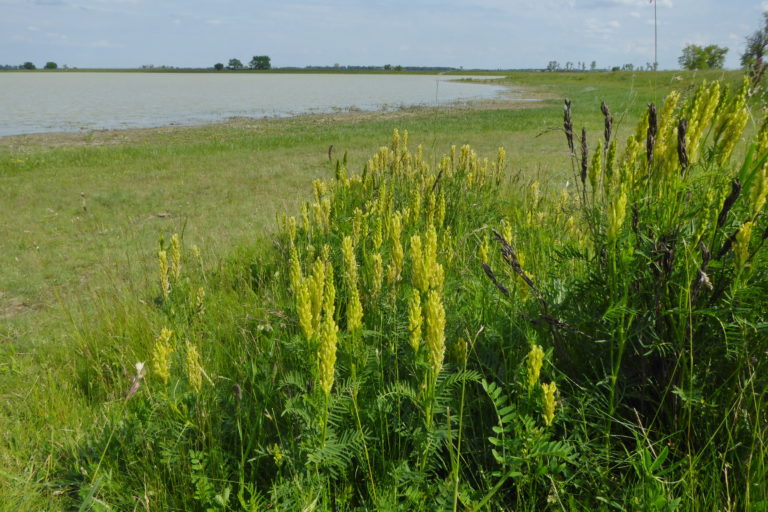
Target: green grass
<point>84,278</point>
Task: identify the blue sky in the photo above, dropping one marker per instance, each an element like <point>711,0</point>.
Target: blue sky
<point>483,33</point>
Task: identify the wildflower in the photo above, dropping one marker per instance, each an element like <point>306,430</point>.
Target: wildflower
<point>350,264</point>
<point>135,380</point>
<point>535,361</point>
<point>435,339</point>
<point>549,402</point>
<point>354,311</point>
<point>618,211</point>
<point>175,268</point>
<point>376,274</point>
<point>440,217</point>
<point>327,352</point>
<point>294,268</point>
<point>165,282</point>
<point>304,308</point>
<point>317,289</point>
<point>741,245</point>
<point>483,249</point>
<point>596,169</point>
<point>194,368</point>
<point>161,355</point>
<point>419,273</point>
<point>414,320</point>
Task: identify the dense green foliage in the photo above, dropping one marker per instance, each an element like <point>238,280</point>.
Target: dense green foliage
<point>418,339</point>
<point>703,57</point>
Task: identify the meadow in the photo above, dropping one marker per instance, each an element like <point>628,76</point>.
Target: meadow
<point>421,321</point>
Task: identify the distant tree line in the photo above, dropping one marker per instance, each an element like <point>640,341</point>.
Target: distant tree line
<point>30,66</point>
<point>258,62</point>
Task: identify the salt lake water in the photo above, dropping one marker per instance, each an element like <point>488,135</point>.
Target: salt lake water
<point>75,101</point>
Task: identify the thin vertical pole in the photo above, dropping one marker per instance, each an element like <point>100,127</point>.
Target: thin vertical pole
<point>655,39</point>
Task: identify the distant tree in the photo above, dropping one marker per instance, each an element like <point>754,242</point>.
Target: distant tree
<point>398,68</point>
<point>218,66</point>
<point>628,67</point>
<point>754,53</point>
<point>51,65</point>
<point>387,67</point>
<point>615,68</point>
<point>593,65</point>
<point>553,65</point>
<point>235,64</point>
<point>702,57</point>
<point>260,62</point>
<point>28,65</point>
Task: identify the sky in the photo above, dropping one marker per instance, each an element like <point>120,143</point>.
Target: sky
<point>487,34</point>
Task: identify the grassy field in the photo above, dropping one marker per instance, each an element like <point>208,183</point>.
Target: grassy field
<point>82,216</point>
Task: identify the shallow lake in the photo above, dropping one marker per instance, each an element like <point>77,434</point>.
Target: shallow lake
<point>72,101</point>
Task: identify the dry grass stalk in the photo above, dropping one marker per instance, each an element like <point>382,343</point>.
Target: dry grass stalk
<point>653,128</point>
<point>568,125</point>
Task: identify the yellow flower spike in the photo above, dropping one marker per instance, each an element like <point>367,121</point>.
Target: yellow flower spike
<point>506,229</point>
<point>395,144</point>
<point>317,290</point>
<point>319,189</point>
<point>175,268</point>
<point>165,282</point>
<point>437,279</point>
<point>501,161</point>
<point>483,249</point>
<point>453,156</point>
<point>414,320</point>
<point>415,204</point>
<point>329,297</point>
<point>618,210</point>
<point>759,190</point>
<point>350,264</point>
<point>377,274</point>
<point>596,168</point>
<point>419,273</point>
<point>378,237</point>
<point>305,217</point>
<point>435,338</point>
<point>326,209</point>
<point>609,181</point>
<point>292,228</point>
<point>325,252</point>
<point>549,402</point>
<point>161,355</point>
<point>194,368</point>
<point>304,309</point>
<point>294,268</point>
<point>328,336</point>
<point>354,312</point>
<point>357,225</point>
<point>317,210</point>
<point>430,248</point>
<point>440,217</point>
<point>534,364</point>
<point>741,245</point>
